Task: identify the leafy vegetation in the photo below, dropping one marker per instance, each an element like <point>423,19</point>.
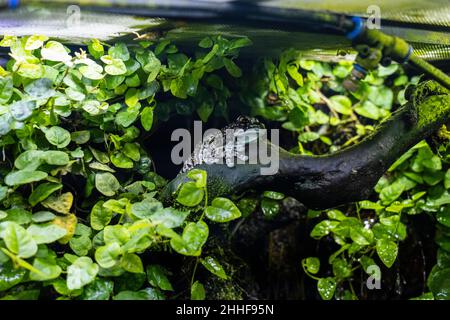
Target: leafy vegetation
<point>79,211</point>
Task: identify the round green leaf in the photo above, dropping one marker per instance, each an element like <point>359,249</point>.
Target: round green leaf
<point>193,238</point>
<point>197,291</point>
<point>10,275</point>
<point>46,233</point>
<point>107,183</point>
<point>100,289</point>
<point>326,287</point>
<point>81,272</point>
<point>132,263</point>
<point>107,255</point>
<point>190,195</point>
<point>56,158</point>
<point>147,118</point>
<point>341,104</point>
<point>213,266</point>
<point>58,136</point>
<point>43,191</point>
<point>23,177</point>
<point>100,216</point>
<point>48,270</point>
<point>387,251</point>
<point>222,210</point>
<point>19,241</point>
<point>43,216</point>
<point>439,283</point>
<point>157,277</point>
<point>311,264</point>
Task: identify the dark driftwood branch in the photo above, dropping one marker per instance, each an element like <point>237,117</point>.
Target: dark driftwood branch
<point>342,177</point>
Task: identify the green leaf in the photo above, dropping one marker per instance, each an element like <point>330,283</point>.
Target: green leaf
<point>131,150</point>
<point>145,294</point>
<point>80,245</point>
<point>199,176</point>
<point>10,275</point>
<point>169,217</point>
<point>387,251</point>
<point>31,70</point>
<point>270,208</point>
<point>99,155</point>
<point>119,51</point>
<point>46,233</point>
<point>368,109</point>
<point>127,117</point>
<point>311,264</point>
<point>147,118</point>
<point>91,71</point>
<point>232,68</point>
<point>323,228</point>
<point>40,89</point>
<point>100,289</point>
<point>131,97</point>
<point>80,273</point>
<point>80,137</point>
<point>146,209</point>
<point>120,160</point>
<point>30,160</point>
<point>439,283</point>
<point>96,49</point>
<point>43,191</point>
<point>361,235</point>
<point>222,210</point>
<point>206,43</point>
<point>205,110</point>
<point>23,177</point>
<point>213,266</point>
<point>132,263</point>
<point>443,216</point>
<point>100,216</point>
<point>60,203</point>
<point>190,195</point>
<point>157,277</point>
<point>6,89</point>
<point>107,255</point>
<point>56,158</point>
<point>326,288</point>
<point>18,240</point>
<point>116,233</point>
<point>58,136</point>
<point>193,238</point>
<point>107,184</point>
<point>341,104</point>
<point>116,67</point>
<point>273,195</point>
<point>341,268</point>
<point>55,51</point>
<point>42,216</point>
<point>48,270</point>
<point>22,110</point>
<point>197,291</point>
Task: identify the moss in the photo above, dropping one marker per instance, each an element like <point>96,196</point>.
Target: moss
<point>431,103</point>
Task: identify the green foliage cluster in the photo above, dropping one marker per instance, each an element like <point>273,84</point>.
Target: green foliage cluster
<point>67,117</point>
<point>309,99</point>
<point>79,208</point>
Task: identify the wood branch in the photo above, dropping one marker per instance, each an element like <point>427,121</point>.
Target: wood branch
<point>345,176</point>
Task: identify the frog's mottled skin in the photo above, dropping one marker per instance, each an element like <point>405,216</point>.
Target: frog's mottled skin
<point>213,149</point>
